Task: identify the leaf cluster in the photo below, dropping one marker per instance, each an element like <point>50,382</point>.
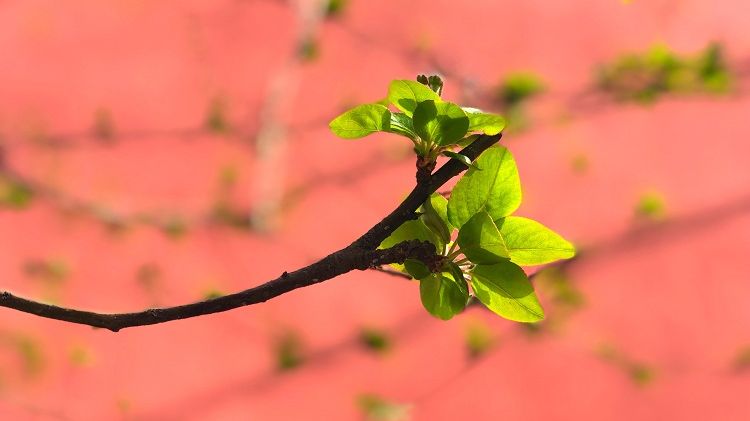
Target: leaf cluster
<point>481,244</point>
<point>645,77</point>
<point>518,87</point>
<point>415,110</point>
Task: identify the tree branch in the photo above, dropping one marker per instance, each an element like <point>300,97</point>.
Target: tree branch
<point>405,211</point>
<point>359,255</point>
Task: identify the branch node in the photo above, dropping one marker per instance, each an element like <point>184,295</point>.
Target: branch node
<point>424,169</point>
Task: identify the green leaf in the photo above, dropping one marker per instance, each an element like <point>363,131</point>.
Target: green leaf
<point>361,121</point>
<point>443,123</point>
<point>505,289</point>
<point>519,86</point>
<point>289,351</point>
<point>461,158</point>
<point>480,240</point>
<point>374,340</point>
<point>531,243</point>
<point>376,408</point>
<point>411,230</point>
<point>402,124</point>
<point>458,274</point>
<point>468,140</point>
<point>435,216</point>
<point>495,189</point>
<point>489,124</point>
<point>406,94</point>
<point>416,269</point>
<point>334,8</point>
<point>443,295</point>
<point>14,194</point>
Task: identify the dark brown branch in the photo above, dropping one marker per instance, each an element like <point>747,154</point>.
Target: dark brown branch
<point>335,264</point>
<point>421,192</point>
<point>359,255</point>
<point>648,235</point>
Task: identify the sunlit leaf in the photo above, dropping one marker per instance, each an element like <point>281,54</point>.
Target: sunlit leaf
<point>495,189</point>
<point>403,125</point>
<point>505,289</point>
<point>361,121</point>
<point>406,94</point>
<point>443,123</point>
<point>435,216</point>
<point>480,240</point>
<point>411,230</point>
<point>468,140</point>
<point>531,243</point>
<point>460,158</point>
<point>489,124</point>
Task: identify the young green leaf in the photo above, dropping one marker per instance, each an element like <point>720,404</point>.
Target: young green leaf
<point>435,216</point>
<point>402,124</point>
<point>14,194</point>
<point>480,240</point>
<point>518,87</point>
<point>496,188</point>
<point>416,269</point>
<point>411,230</point>
<point>505,289</point>
<point>406,94</point>
<point>460,158</point>
<point>443,123</point>
<point>443,295</point>
<point>531,243</point>
<point>458,274</point>
<point>489,124</point>
<point>468,140</point>
<point>361,121</point>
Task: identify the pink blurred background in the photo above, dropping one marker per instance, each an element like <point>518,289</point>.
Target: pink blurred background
<point>155,153</point>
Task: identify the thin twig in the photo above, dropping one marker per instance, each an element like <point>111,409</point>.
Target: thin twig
<point>359,255</point>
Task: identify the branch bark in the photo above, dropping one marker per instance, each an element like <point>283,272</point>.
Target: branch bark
<point>362,254</point>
